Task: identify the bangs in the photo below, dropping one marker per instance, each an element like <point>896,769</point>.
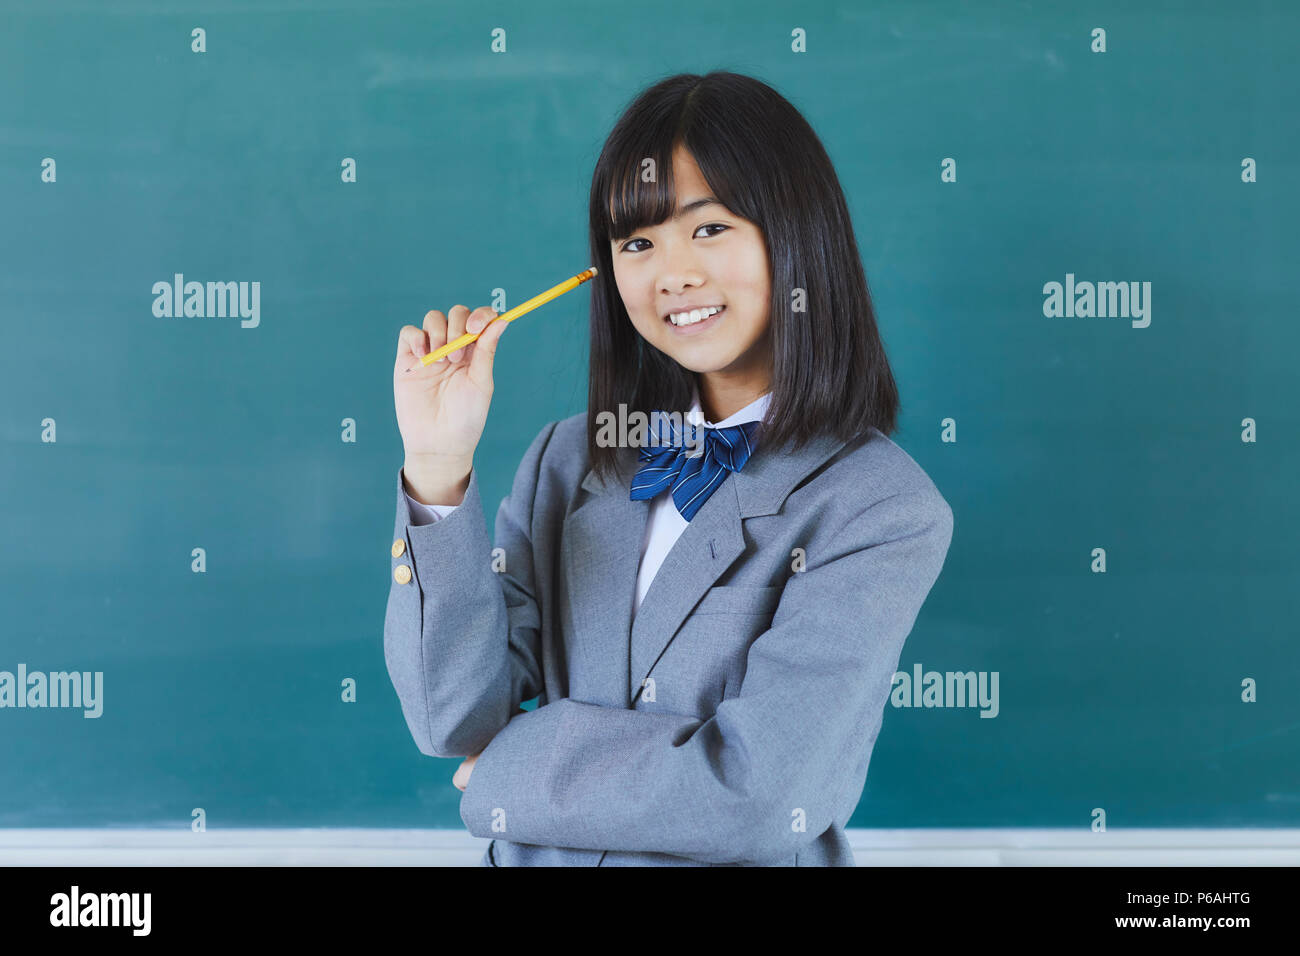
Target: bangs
<point>632,198</point>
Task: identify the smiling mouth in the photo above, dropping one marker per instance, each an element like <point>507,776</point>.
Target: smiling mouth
<point>703,321</point>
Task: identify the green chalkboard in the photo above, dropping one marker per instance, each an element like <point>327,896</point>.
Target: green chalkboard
<point>131,435</point>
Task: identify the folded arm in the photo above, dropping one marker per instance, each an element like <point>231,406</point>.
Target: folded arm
<point>726,789</point>
<point>462,640</point>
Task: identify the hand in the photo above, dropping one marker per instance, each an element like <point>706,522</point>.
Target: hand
<point>442,408</point>
<point>461,780</point>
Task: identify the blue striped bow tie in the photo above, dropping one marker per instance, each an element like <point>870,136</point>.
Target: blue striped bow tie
<point>670,464</point>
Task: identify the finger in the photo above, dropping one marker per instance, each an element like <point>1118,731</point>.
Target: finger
<point>457,316</point>
<point>479,318</point>
<point>485,350</point>
<point>411,344</point>
<point>474,325</point>
<point>435,324</point>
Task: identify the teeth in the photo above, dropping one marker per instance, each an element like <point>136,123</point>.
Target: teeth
<point>693,316</point>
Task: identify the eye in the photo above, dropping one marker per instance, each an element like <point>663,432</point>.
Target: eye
<point>709,225</point>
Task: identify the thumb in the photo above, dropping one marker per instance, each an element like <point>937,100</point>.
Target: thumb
<point>485,350</point>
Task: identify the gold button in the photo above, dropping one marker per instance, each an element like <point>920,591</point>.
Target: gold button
<point>402,574</point>
<point>398,547</point>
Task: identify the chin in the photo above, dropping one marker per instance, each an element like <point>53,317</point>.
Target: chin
<point>693,362</point>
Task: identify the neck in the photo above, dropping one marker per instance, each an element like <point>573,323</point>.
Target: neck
<point>722,398</point>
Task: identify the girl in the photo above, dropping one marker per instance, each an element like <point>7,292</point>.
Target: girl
<point>711,633</point>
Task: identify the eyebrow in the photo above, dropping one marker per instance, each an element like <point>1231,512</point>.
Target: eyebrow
<point>695,204</point>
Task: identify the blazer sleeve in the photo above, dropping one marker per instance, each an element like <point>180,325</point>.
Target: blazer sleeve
<point>462,640</point>
<point>726,789</point>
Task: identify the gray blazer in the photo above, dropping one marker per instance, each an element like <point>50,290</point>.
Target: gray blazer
<point>732,721</point>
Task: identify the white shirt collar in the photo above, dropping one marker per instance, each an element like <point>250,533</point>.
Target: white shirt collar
<point>753,412</point>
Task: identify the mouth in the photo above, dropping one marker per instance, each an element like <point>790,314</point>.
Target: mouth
<point>702,325</point>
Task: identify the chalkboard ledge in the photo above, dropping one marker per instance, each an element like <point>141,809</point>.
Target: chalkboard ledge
<point>379,847</point>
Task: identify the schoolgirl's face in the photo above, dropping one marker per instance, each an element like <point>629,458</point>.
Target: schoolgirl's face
<point>705,257</point>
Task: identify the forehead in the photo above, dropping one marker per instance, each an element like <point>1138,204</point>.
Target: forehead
<point>686,173</point>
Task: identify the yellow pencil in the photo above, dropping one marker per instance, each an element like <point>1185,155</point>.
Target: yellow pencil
<point>510,316</point>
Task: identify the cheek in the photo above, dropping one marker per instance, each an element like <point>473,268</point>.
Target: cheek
<point>759,313</point>
<point>749,276</point>
<point>641,321</point>
<point>627,291</point>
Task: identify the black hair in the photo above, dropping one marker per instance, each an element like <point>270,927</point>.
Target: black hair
<point>765,164</point>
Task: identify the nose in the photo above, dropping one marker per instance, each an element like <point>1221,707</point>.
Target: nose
<point>679,271</point>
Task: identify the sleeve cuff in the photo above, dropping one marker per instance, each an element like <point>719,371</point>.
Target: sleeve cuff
<point>420,513</point>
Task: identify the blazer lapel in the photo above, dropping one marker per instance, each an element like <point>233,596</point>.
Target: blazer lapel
<point>602,555</point>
